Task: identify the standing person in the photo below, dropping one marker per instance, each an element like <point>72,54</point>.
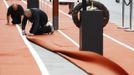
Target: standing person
<point>71,6</point>
<point>32,3</point>
<point>15,11</point>
<point>39,20</point>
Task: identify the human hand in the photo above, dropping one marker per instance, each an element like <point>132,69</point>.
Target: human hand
<point>29,34</point>
<point>23,32</point>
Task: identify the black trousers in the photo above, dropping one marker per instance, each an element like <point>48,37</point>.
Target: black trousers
<point>16,19</point>
<point>41,30</point>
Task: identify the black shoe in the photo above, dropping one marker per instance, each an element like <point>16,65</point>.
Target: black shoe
<point>50,33</point>
<point>52,30</point>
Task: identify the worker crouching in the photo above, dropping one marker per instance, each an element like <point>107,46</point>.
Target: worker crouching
<point>39,21</point>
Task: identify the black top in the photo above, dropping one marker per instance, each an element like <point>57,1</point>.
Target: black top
<point>19,12</point>
<point>38,18</point>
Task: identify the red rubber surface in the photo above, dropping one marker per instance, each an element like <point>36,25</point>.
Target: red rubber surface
<point>58,43</point>
<point>15,58</point>
<point>88,61</point>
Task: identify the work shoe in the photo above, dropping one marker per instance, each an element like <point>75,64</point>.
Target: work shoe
<point>52,29</point>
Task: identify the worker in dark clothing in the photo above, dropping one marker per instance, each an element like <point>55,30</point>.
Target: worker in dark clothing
<point>15,11</point>
<point>71,6</point>
<point>39,20</point>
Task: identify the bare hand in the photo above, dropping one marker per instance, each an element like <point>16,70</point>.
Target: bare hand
<point>29,34</point>
<point>23,32</point>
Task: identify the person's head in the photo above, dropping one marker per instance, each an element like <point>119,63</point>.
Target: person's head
<point>28,13</point>
<point>15,6</point>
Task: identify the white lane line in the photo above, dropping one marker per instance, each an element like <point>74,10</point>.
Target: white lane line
<point>119,42</point>
<point>24,1</point>
<point>32,50</point>
<point>37,58</point>
<point>76,44</point>
<point>59,10</point>
<point>66,36</point>
<point>105,35</point>
<point>5,3</point>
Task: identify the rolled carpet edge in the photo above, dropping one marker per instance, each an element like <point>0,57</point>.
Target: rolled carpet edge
<point>90,62</point>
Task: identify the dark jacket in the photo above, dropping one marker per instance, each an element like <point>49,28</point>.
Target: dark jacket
<point>17,13</point>
<point>38,18</point>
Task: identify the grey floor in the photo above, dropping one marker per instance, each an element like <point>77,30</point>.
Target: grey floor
<point>115,10</point>
<point>55,64</point>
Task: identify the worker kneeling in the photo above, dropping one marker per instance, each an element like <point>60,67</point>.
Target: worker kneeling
<point>15,11</point>
<point>39,21</point>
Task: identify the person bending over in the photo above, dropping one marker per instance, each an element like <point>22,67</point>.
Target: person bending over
<point>15,11</point>
<point>39,20</point>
